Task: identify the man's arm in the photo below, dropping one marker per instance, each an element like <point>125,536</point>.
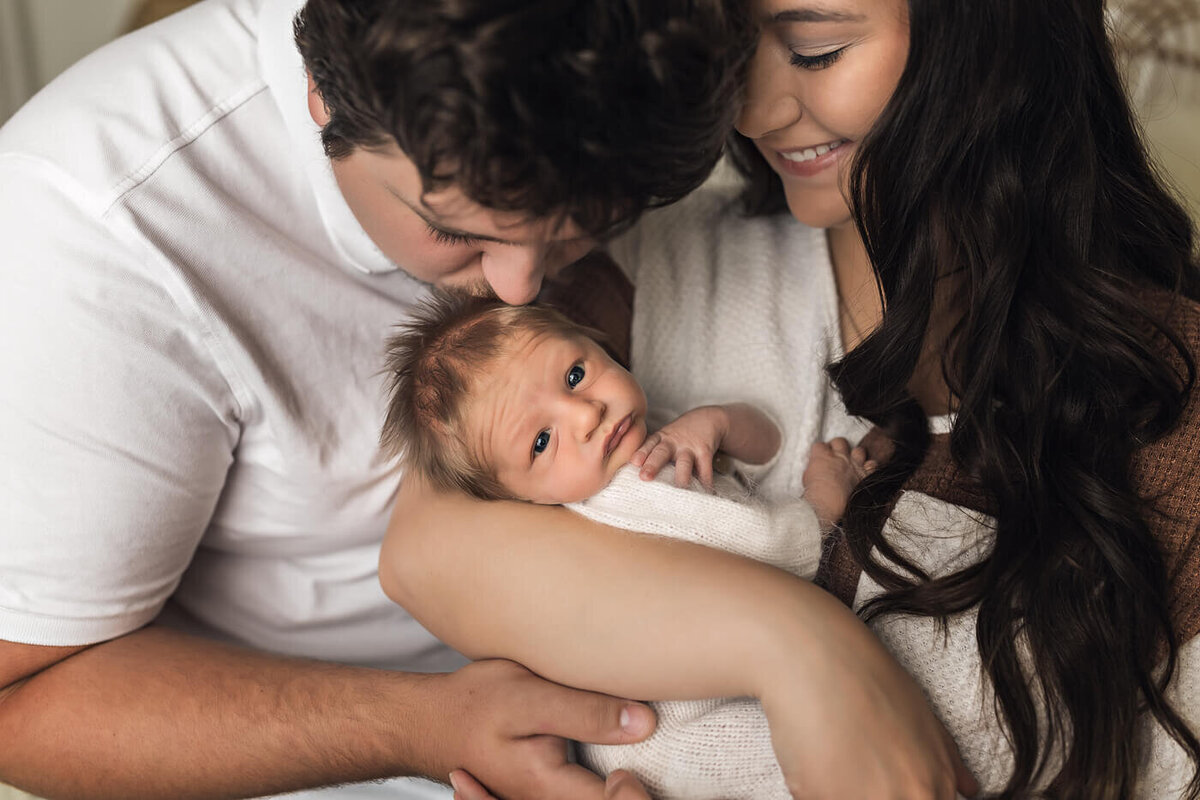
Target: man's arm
<point>642,616</point>
<point>158,713</point>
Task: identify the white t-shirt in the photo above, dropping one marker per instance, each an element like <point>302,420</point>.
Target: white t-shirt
<point>193,326</point>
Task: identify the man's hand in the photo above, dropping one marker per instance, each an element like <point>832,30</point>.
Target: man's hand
<point>691,441</point>
<point>508,728</point>
<point>620,785</point>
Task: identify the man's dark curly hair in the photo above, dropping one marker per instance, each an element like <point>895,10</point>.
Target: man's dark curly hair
<point>590,110</point>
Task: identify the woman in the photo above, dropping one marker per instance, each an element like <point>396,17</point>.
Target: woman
<point>979,176</point>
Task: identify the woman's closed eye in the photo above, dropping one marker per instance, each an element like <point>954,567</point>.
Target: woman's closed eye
<point>818,61</point>
<point>575,376</point>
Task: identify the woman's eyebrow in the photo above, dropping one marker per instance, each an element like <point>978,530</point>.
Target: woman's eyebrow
<point>815,15</point>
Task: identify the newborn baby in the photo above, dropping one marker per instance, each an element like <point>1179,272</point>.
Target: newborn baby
<point>519,403</point>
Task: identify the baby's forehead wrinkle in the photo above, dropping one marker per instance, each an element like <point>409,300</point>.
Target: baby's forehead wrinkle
<point>503,402</point>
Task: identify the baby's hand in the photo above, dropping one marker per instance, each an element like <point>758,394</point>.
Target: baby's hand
<point>834,469</point>
<point>691,441</point>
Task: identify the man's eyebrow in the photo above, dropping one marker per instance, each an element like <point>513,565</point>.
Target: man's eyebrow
<point>815,15</point>
<point>439,226</point>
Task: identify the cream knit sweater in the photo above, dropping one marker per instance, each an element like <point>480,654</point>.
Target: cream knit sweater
<point>726,309</point>
<point>729,308</point>
<point>707,749</point>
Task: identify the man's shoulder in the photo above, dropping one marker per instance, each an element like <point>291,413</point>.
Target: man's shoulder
<point>107,121</point>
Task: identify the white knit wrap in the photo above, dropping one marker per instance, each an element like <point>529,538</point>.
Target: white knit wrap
<point>706,749</point>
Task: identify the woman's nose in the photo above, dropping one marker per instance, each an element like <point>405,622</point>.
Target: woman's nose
<point>770,103</point>
<point>514,272</point>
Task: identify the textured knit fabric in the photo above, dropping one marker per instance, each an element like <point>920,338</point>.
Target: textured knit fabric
<point>729,309</point>
<point>941,522</point>
<point>709,749</point>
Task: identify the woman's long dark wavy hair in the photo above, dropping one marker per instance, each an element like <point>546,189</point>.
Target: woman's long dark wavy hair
<point>1008,166</point>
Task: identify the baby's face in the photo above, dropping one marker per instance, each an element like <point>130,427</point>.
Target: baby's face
<point>555,417</point>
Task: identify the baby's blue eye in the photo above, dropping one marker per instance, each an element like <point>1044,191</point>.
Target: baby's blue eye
<point>575,376</point>
<point>541,442</point>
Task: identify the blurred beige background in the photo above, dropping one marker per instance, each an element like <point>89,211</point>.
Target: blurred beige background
<point>40,38</point>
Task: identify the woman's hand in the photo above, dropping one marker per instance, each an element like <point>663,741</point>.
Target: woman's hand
<point>849,722</point>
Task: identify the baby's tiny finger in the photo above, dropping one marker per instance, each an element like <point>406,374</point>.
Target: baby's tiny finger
<point>639,456</point>
<point>840,446</point>
<point>858,456</point>
<point>704,470</point>
<point>658,457</point>
<point>684,464</point>
<point>870,465</point>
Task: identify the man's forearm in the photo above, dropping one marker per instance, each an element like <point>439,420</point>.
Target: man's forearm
<point>161,714</point>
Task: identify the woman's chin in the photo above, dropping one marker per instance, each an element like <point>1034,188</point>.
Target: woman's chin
<point>818,211</point>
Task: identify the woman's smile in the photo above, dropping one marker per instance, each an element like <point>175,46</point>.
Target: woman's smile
<point>805,162</point>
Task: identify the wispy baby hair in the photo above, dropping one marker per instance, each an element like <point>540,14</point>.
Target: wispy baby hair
<point>434,364</point>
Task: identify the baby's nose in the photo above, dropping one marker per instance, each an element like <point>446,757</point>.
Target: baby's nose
<point>588,416</point>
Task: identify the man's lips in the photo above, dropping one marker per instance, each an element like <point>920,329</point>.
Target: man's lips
<point>617,434</point>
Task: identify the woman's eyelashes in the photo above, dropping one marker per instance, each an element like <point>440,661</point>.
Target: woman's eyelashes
<point>446,237</point>
<point>819,61</point>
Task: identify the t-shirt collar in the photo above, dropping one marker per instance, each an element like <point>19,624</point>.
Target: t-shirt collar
<point>283,70</point>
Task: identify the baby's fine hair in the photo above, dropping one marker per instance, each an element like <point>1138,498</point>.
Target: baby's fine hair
<point>434,364</point>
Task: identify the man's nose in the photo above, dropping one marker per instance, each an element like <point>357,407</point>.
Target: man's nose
<point>514,272</point>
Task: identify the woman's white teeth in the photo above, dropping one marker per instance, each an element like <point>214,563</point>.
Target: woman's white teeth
<point>800,156</point>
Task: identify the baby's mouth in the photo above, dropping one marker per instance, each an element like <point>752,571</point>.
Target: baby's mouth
<point>617,434</point>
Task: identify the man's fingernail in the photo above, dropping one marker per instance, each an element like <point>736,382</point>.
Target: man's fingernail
<point>635,720</point>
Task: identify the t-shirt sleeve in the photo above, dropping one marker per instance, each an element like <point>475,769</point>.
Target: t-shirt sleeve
<point>117,428</point>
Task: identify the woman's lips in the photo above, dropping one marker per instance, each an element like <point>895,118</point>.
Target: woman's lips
<point>617,434</point>
<point>806,162</point>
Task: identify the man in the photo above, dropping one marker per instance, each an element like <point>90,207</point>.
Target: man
<point>207,238</point>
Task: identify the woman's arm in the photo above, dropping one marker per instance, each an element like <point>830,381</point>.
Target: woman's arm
<point>641,616</point>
